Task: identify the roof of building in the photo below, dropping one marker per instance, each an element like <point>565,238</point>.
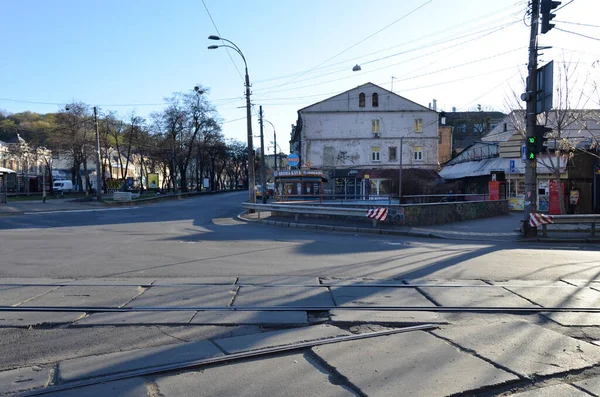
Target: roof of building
<point>369,84</point>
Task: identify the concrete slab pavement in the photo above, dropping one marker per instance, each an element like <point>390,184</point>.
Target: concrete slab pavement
<point>29,319</point>
<point>134,387</point>
<point>523,348</point>
<point>195,318</point>
<point>340,316</point>
<point>410,364</point>
<point>574,319</point>
<point>285,375</point>
<point>106,364</point>
<point>278,280</point>
<point>12,296</point>
<point>282,296</point>
<point>278,338</point>
<point>185,296</point>
<point>559,297</point>
<point>591,385</point>
<point>552,391</point>
<point>251,317</point>
<point>380,296</point>
<point>136,318</point>
<point>26,378</point>
<point>474,296</point>
<point>86,296</point>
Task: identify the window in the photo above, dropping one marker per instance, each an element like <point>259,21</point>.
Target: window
<point>375,100</point>
<point>505,127</point>
<point>440,137</point>
<point>418,153</point>
<point>361,100</point>
<point>418,125</point>
<point>375,154</point>
<point>392,154</point>
<point>375,126</point>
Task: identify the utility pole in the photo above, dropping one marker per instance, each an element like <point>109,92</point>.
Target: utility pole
<point>263,182</point>
<point>530,97</point>
<point>275,166</point>
<point>98,175</point>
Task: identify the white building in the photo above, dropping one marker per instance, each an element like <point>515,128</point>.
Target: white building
<point>356,136</point>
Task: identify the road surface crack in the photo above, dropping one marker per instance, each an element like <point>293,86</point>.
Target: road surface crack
<point>334,376</point>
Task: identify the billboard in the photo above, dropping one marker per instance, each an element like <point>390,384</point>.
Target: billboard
<point>152,181</point>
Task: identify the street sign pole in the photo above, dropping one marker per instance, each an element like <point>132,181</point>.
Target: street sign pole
<point>530,97</point>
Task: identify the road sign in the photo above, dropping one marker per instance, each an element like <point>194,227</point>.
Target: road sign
<point>513,167</point>
<point>293,159</point>
<point>523,153</point>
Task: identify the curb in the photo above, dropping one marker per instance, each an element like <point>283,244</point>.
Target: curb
<point>364,230</point>
<point>345,229</point>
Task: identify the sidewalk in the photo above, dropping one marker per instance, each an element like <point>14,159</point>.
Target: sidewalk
<point>21,207</point>
<point>499,228</point>
<point>505,228</point>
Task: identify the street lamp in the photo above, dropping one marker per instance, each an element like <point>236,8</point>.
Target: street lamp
<point>251,183</point>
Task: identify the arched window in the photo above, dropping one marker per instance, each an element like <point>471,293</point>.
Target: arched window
<point>361,100</point>
<point>375,100</point>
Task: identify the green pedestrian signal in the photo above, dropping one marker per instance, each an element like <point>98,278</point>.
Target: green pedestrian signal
<point>531,148</point>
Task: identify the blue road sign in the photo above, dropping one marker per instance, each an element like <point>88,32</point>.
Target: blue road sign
<point>513,167</point>
<point>293,159</point>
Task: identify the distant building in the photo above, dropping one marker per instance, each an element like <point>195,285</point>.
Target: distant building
<point>470,127</point>
<point>356,138</point>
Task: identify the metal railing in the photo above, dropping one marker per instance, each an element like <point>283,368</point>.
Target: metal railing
<point>374,199</point>
<point>590,219</point>
<point>307,210</point>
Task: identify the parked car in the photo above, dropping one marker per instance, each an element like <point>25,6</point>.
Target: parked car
<point>271,189</point>
<point>258,191</point>
<point>63,186</point>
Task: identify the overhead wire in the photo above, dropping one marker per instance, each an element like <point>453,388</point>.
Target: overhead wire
<point>359,42</point>
<point>219,33</point>
<point>578,34</point>
<point>442,31</point>
<point>479,36</point>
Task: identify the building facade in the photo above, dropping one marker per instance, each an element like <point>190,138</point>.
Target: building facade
<point>359,136</point>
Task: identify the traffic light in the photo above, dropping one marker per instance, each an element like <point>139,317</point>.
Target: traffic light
<point>532,149</point>
<point>547,16</point>
<point>540,137</point>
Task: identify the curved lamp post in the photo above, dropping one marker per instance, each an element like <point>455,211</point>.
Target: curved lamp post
<point>251,181</point>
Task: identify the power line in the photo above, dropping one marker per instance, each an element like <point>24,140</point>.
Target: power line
<point>578,34</point>
<point>564,5</point>
<point>580,24</point>
<point>478,34</point>
<point>354,45</point>
<point>258,92</point>
<point>219,33</point>
<point>442,31</point>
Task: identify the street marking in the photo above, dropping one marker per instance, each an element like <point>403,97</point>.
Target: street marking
<point>70,211</point>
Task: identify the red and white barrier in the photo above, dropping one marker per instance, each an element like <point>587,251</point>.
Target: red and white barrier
<point>380,214</point>
<point>536,219</point>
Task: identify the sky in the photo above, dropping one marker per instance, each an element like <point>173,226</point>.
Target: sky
<point>128,56</point>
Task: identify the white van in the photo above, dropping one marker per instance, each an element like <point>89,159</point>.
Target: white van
<point>63,186</point>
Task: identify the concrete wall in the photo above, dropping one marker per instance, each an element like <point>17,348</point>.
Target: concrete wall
<point>424,214</point>
<point>339,133</point>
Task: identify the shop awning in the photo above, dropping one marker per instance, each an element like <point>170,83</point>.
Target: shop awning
<point>487,166</point>
<point>6,171</point>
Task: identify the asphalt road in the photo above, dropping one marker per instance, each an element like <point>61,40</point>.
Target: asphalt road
<point>203,237</point>
<point>202,240</point>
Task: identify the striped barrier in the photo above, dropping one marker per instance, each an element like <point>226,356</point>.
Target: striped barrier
<point>379,214</point>
<point>536,219</point>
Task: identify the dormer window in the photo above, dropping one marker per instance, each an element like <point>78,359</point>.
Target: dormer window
<point>375,100</point>
<point>361,100</point>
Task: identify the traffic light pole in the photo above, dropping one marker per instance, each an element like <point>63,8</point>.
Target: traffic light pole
<point>530,97</point>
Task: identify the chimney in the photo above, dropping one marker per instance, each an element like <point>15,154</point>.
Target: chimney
<point>453,109</point>
<point>429,105</point>
<point>435,105</point>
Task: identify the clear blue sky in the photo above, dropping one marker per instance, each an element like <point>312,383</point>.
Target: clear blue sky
<point>137,52</point>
